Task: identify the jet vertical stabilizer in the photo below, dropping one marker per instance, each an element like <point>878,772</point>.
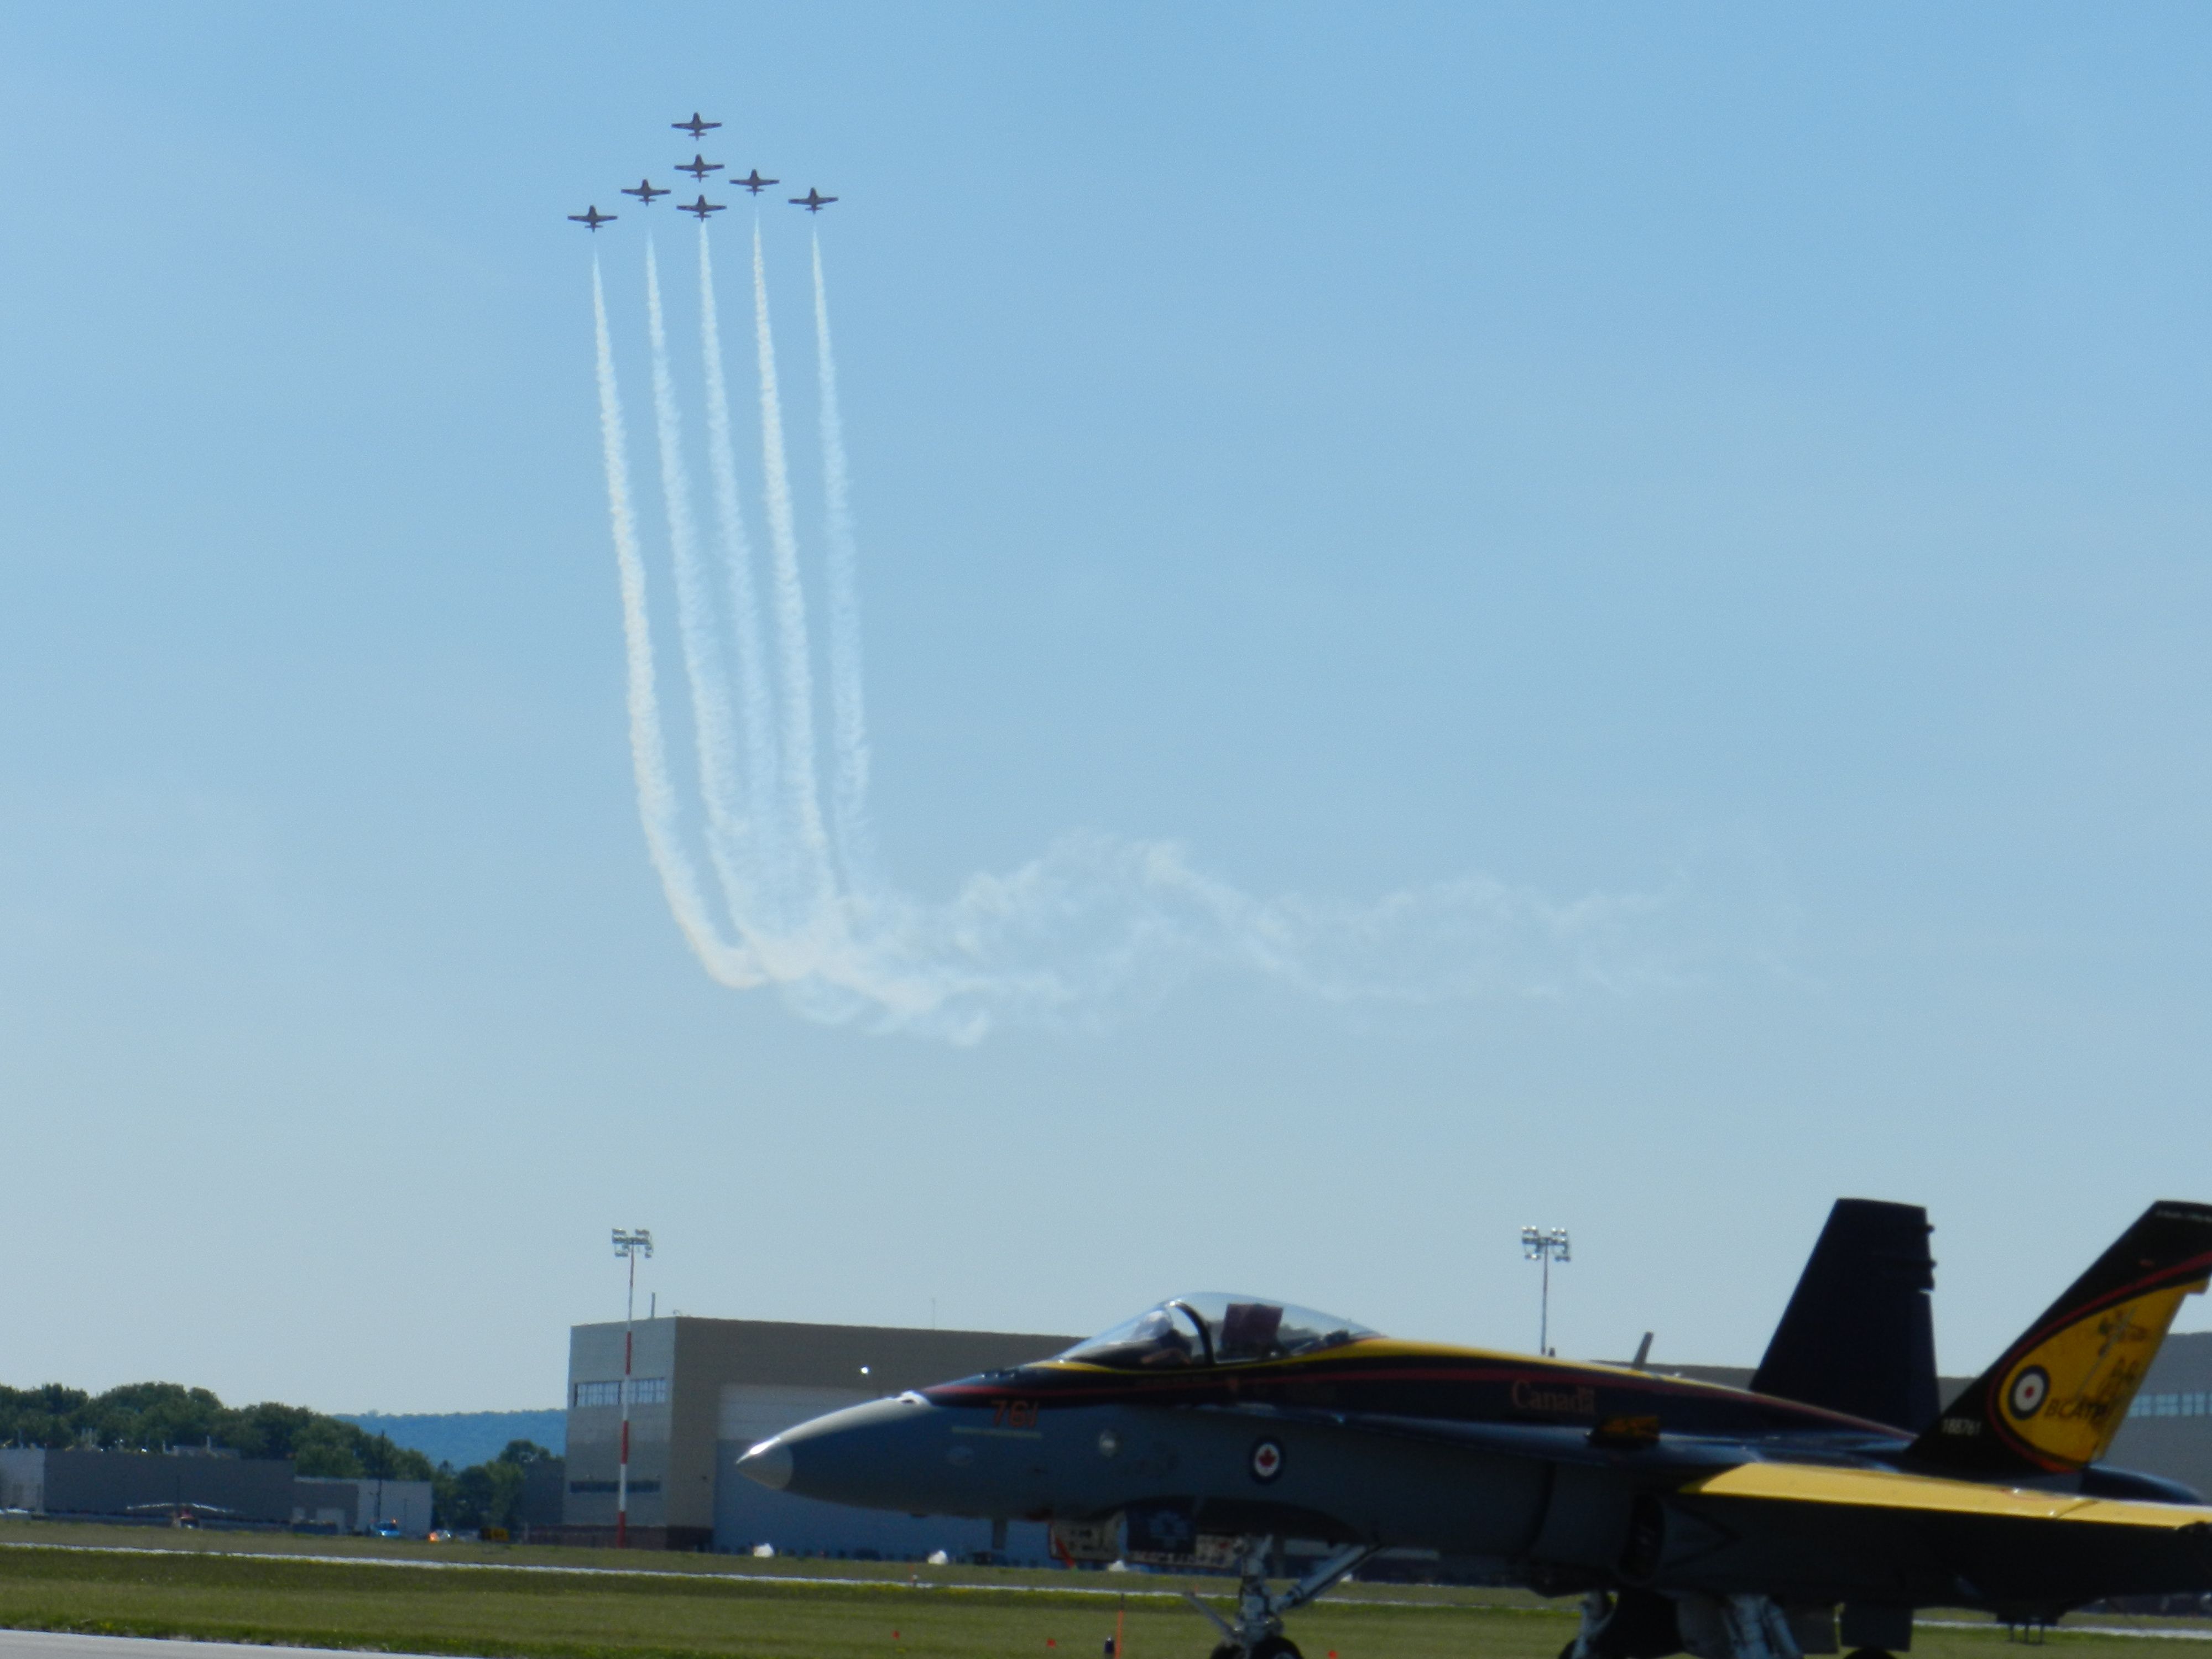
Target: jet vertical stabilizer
<point>2059,1394</point>
<point>1858,1336</point>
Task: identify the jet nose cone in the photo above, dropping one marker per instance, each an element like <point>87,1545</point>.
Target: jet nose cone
<point>770,1463</point>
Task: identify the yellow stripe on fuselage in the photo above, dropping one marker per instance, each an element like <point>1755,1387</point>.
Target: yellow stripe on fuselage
<point>1390,1347</point>
<point>1803,1483</point>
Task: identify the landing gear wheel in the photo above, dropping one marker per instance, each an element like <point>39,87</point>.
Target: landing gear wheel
<point>1870,1653</point>
<point>1227,1650</point>
<point>1277,1647</point>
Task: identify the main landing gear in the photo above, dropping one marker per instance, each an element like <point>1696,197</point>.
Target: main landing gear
<point>1633,1623</point>
<point>1257,1631</point>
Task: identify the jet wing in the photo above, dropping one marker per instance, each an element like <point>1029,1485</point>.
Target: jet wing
<point>2034,1552</point>
<point>1886,1489</point>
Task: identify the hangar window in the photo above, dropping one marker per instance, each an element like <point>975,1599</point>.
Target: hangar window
<point>643,1391</point>
<point>2195,1402</point>
<point>1215,1328</point>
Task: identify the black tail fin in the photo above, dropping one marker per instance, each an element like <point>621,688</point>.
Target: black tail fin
<point>1858,1336</point>
<point>2057,1397</point>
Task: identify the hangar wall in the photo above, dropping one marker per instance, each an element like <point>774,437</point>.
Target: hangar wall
<point>594,1406</point>
<point>73,1485</point>
<point>360,1504</point>
<point>2168,1429</point>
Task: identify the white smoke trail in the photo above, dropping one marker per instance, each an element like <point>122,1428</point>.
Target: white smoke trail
<point>1094,925</point>
<point>801,794</point>
<point>656,796</point>
<point>849,717</point>
<point>727,829</point>
<point>1099,925</point>
<point>754,701</point>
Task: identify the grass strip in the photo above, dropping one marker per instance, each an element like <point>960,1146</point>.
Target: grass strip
<point>507,1610</point>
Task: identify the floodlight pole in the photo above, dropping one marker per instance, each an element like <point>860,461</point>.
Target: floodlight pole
<point>628,1246</point>
<point>1537,1245</point>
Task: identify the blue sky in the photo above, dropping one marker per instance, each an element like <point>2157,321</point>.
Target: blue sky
<point>1752,457</point>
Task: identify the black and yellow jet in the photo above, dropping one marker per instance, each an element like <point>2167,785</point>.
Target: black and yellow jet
<point>1827,1501</point>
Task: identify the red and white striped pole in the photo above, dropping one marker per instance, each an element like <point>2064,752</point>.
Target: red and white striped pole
<point>627,1244</point>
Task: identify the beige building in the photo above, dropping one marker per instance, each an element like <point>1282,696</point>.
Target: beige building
<point>703,1391</point>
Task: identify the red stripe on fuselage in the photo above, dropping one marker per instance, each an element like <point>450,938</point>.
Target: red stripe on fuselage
<point>1049,1388</point>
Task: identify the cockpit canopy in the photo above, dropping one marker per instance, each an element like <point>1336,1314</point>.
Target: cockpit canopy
<point>1215,1328</point>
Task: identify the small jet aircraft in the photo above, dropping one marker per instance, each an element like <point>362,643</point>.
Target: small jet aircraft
<point>593,218</point>
<point>695,126</point>
<point>180,1514</point>
<point>753,182</point>
<point>698,166</point>
<point>702,207</point>
<point>814,201</point>
<point>645,193</point>
<point>1824,1502</point>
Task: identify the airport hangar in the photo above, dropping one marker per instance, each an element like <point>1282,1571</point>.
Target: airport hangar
<point>704,1390</point>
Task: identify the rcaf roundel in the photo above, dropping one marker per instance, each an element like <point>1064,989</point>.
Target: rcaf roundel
<point>2028,1391</point>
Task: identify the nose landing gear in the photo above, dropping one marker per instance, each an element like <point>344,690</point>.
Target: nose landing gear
<point>1257,1633</point>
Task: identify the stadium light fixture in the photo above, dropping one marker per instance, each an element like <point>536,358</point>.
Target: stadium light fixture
<point>630,1245</point>
<point>1538,1245</point>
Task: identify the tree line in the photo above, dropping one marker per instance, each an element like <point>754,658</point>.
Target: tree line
<point>156,1416</point>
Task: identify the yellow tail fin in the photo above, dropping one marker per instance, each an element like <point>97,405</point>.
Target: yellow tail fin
<point>2059,1394</point>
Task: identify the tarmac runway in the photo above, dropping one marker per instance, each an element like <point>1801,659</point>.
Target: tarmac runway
<point>48,1644</point>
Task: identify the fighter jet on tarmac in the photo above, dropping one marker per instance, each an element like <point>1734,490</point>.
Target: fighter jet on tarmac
<point>593,218</point>
<point>645,193</point>
<point>699,167</point>
<point>755,183</point>
<point>1732,1523</point>
<point>702,207</point>
<point>814,201</point>
<point>695,126</point>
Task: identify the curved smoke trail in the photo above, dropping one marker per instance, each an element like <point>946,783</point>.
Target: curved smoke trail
<point>728,828</point>
<point>848,717</point>
<point>656,798</point>
<point>1095,925</point>
<point>801,795</point>
<point>759,712</point>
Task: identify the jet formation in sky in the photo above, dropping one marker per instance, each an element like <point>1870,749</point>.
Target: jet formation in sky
<point>698,166</point>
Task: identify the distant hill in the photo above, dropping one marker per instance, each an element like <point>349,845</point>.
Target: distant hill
<point>464,1438</point>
